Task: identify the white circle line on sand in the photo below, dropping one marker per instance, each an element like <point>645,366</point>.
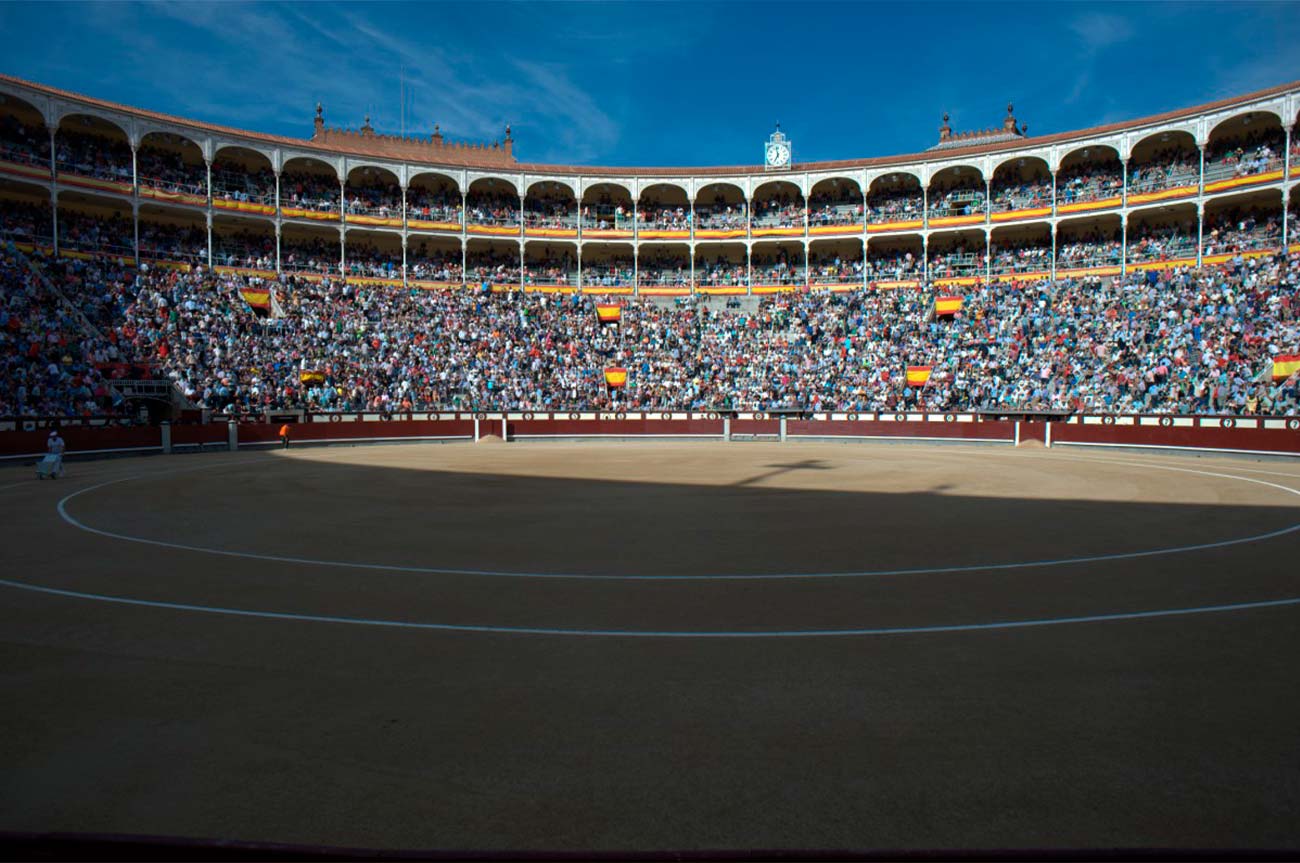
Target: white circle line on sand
<point>936,570</point>
<point>644,633</point>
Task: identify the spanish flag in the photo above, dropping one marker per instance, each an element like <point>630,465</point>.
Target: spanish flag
<point>918,376</point>
<point>609,314</point>
<point>257,298</point>
<point>947,305</point>
<point>1285,365</point>
<point>616,377</point>
<point>309,376</point>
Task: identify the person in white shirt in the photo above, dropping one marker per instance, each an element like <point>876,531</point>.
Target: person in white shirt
<point>55,446</point>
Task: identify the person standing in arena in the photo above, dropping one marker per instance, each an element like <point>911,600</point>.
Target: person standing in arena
<point>55,446</point>
<point>284,436</point>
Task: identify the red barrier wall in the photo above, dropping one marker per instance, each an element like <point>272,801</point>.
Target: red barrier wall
<point>1002,430</point>
<point>254,433</point>
<point>1206,434</point>
<point>82,439</point>
<point>603,428</point>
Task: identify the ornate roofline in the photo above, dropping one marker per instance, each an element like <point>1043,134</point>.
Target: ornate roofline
<point>471,157</point>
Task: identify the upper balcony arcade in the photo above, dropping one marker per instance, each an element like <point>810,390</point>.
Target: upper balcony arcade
<point>1206,158</point>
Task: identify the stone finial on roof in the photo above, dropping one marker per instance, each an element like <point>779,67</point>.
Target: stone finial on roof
<point>320,117</point>
<point>437,134</point>
<point>945,131</point>
<point>367,129</point>
<point>1010,122</point>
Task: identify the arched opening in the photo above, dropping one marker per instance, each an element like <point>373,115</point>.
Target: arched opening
<point>1021,184</point>
<point>895,197</point>
<point>374,197</point>
<point>168,234</point>
<point>1243,223</point>
<point>172,164</point>
<point>24,138</point>
<point>721,265</point>
<point>95,225</point>
<point>1162,234</point>
<point>372,255</point>
<point>721,207</point>
<point>25,214</point>
<point>957,192</point>
<point>307,249</point>
<point>243,177</point>
<point>1244,146</point>
<point>1020,249</point>
<point>551,206</point>
<point>608,266</point>
<point>1166,160</point>
<point>835,262</point>
<point>957,254</point>
<point>778,204</point>
<point>664,265</point>
<point>87,146</point>
<point>1084,244</point>
<point>779,263</point>
<point>835,201</point>
<point>664,207</point>
<point>492,263</point>
<point>493,203</point>
<point>434,259</point>
<point>1092,173</point>
<point>1293,218</point>
<point>550,265</point>
<point>895,258</point>
<point>606,207</point>
<point>243,243</point>
<point>433,203</point>
<point>308,186</point>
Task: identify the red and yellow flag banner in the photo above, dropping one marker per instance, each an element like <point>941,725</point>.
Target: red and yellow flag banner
<point>1285,365</point>
<point>947,305</point>
<point>609,314</point>
<point>308,376</point>
<point>615,377</point>
<point>918,376</point>
<point>260,299</point>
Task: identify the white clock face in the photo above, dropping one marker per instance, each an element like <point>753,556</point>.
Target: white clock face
<point>778,154</point>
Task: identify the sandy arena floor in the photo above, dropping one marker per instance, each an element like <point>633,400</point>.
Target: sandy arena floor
<point>656,646</point>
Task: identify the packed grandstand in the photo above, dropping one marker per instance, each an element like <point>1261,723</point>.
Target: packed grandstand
<point>1142,268</point>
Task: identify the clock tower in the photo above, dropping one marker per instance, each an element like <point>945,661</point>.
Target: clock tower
<point>777,152</point>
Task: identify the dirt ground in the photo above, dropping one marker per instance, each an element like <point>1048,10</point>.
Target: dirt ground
<point>656,646</point>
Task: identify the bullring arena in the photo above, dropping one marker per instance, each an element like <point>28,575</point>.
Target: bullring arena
<point>657,644</point>
<point>939,501</point>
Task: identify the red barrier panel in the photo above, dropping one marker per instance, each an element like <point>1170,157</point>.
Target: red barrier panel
<point>604,428</point>
<point>82,439</point>
<point>254,433</point>
<point>1282,440</point>
<point>751,426</point>
<point>1000,430</point>
<point>199,434</point>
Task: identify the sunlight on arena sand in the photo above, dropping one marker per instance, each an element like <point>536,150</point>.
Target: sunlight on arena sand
<point>885,468</point>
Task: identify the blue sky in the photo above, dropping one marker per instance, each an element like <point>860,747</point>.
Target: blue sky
<point>662,83</point>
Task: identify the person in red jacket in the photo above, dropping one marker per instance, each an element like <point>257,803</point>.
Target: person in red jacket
<point>284,436</point>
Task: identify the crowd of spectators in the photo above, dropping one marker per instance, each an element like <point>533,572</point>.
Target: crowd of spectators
<point>26,222</point>
<point>232,181</point>
<point>605,215</point>
<point>1089,181</point>
<point>1180,340</point>
<point>1241,231</point>
<point>303,190</point>
<point>24,144</point>
<point>1170,168</point>
<point>1093,248</point>
<point>1027,256</point>
<point>1254,153</point>
<point>249,249</point>
<point>93,156</point>
<point>1148,242</point>
<point>608,272</point>
<point>835,209</point>
<point>370,261</point>
<point>662,217</point>
<point>884,265</point>
<point>721,216</point>
<point>957,202</point>
<point>492,208</point>
<point>309,254</point>
<point>433,206</point>
<point>167,170</point>
<point>721,272</point>
<point>172,242</point>
<point>779,211</point>
<point>92,233</point>
<point>549,214</point>
<point>382,201</point>
<point>1020,195</point>
<point>902,205</point>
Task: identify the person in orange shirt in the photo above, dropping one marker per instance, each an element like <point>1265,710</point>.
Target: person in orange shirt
<point>284,436</point>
